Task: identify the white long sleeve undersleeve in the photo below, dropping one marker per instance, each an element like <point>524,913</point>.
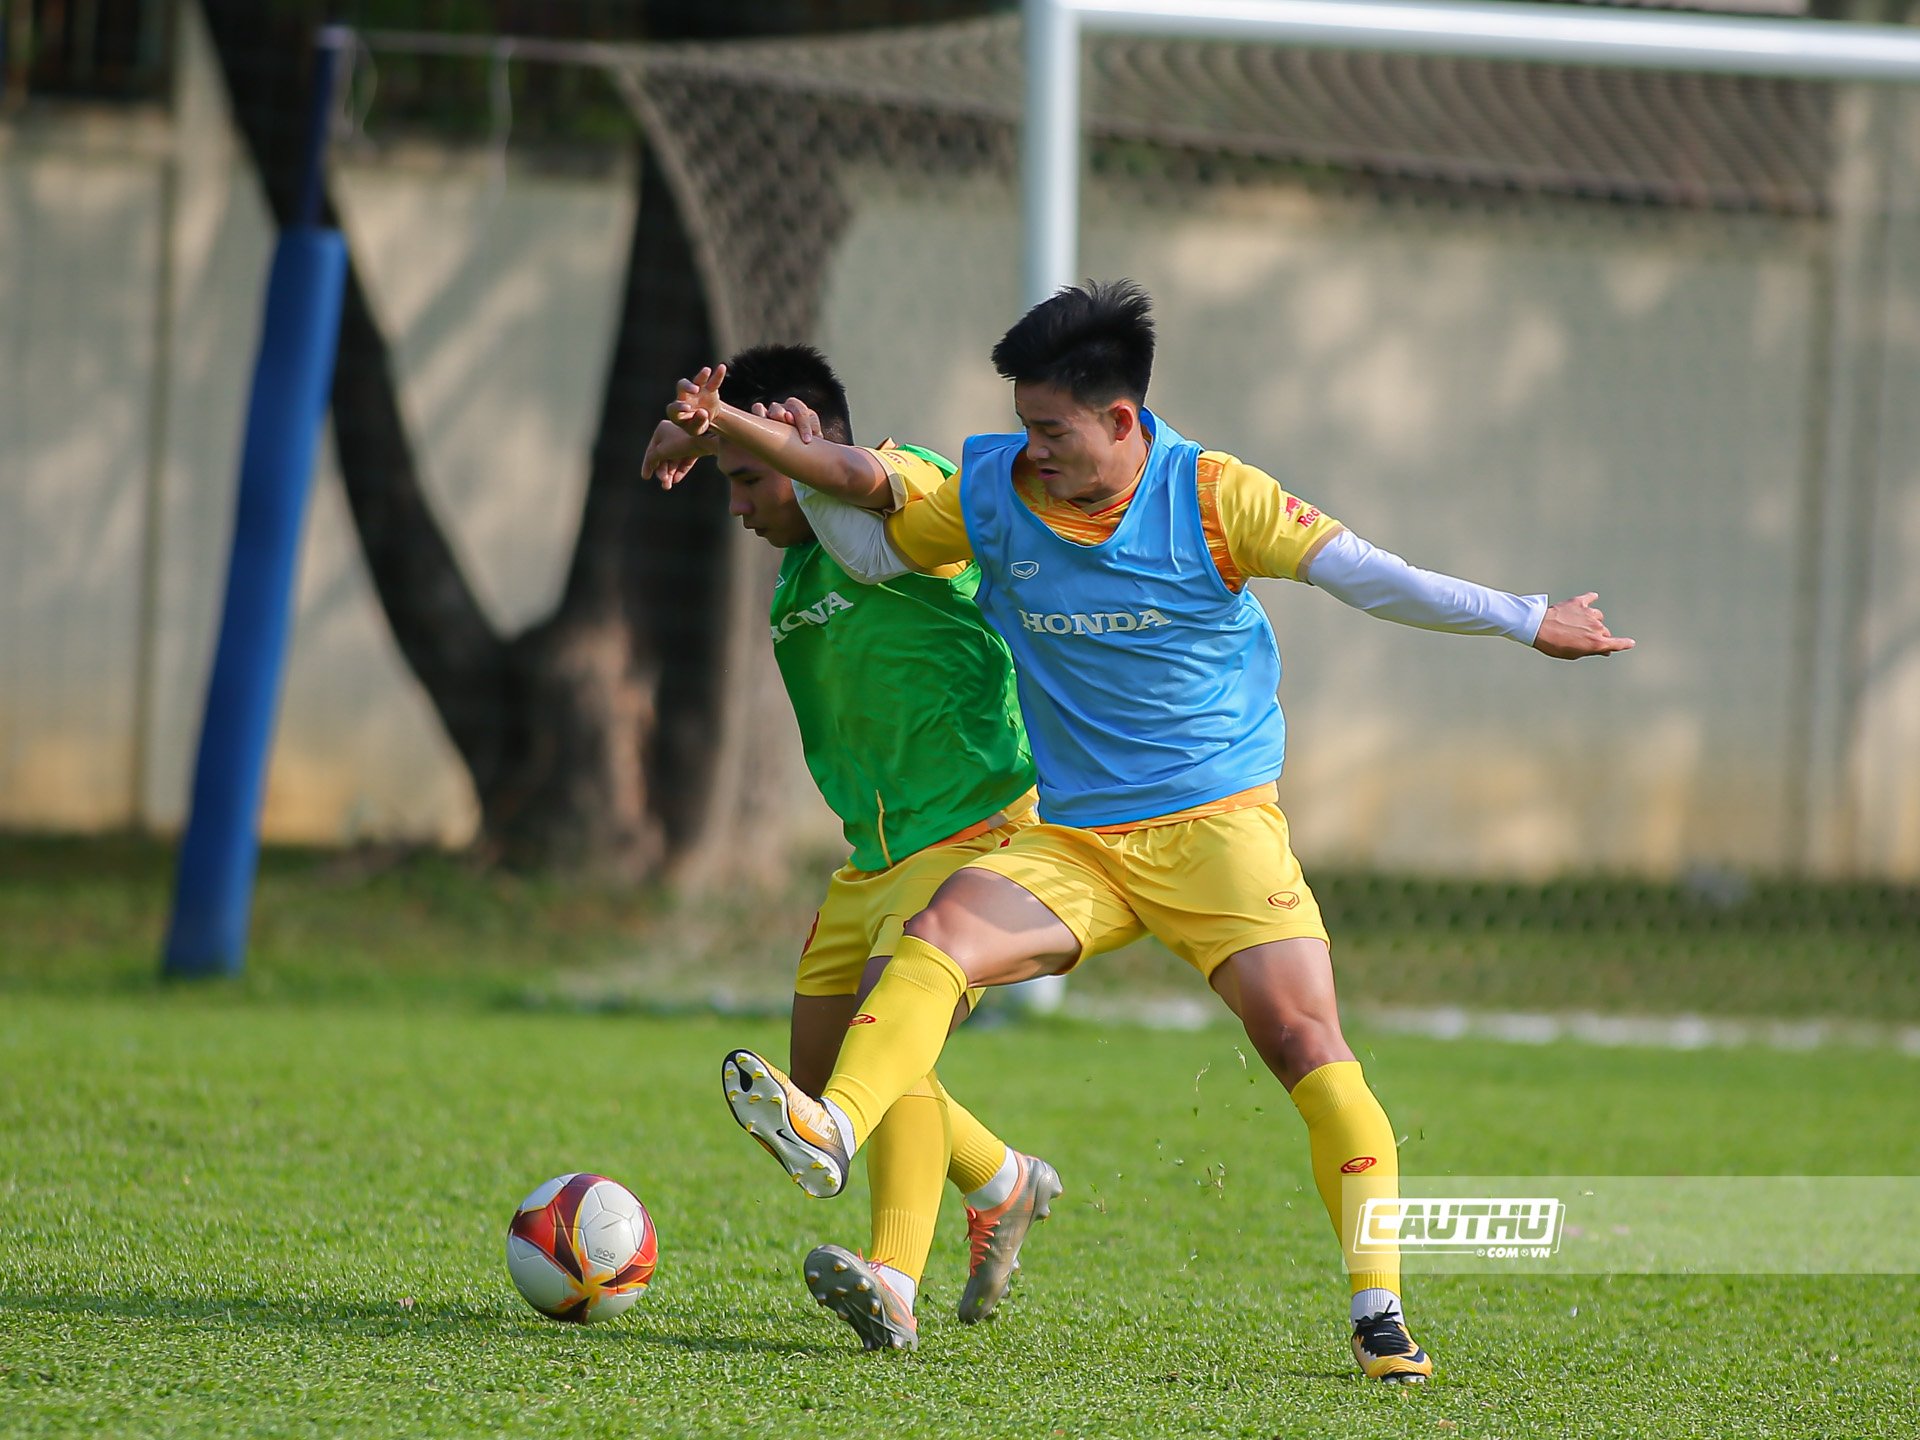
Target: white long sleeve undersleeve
<point>1381,583</point>
<point>855,537</point>
<point>1347,568</point>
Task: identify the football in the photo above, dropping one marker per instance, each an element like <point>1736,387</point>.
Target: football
<point>581,1248</point>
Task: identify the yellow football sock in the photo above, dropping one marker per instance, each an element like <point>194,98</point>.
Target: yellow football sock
<point>1353,1159</point>
<point>897,1035</point>
<point>906,1168</point>
<point>978,1153</point>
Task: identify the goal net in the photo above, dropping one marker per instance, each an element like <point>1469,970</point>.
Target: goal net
<point>1651,333</point>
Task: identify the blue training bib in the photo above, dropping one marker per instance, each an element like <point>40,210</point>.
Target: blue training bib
<point>1148,686</point>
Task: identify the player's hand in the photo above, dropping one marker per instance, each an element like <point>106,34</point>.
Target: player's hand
<point>672,452</point>
<point>1574,629</point>
<point>797,413</point>
<point>699,400</point>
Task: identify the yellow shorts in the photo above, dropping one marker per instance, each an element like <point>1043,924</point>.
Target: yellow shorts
<point>863,910</point>
<point>1204,888</point>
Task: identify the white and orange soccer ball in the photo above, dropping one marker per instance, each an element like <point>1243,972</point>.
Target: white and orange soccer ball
<point>581,1248</point>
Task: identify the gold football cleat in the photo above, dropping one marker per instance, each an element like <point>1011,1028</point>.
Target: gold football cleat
<point>1386,1351</point>
<point>790,1124</point>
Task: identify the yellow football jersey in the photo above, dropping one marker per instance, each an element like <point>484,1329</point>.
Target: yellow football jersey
<point>1253,526</point>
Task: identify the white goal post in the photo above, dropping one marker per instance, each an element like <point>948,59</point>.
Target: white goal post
<point>1563,34</point>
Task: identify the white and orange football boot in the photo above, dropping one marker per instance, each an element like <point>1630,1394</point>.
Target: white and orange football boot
<point>994,1236</point>
<point>1387,1352</point>
<point>793,1127</point>
<point>858,1293</point>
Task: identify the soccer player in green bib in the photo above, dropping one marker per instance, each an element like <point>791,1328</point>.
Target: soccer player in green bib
<point>911,727</point>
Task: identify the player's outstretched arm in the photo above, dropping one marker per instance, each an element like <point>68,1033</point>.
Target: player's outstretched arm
<point>1384,585</point>
<point>1387,587</point>
<point>1270,532</point>
<point>1575,628</point>
<point>844,472</point>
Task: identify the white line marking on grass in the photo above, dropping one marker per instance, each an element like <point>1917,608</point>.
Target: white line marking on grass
<point>605,991</point>
<point>1656,1032</point>
<point>1584,1027</point>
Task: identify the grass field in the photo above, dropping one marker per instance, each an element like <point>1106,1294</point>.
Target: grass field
<point>277,1208</point>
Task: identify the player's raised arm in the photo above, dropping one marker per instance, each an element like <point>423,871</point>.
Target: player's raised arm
<point>844,472</point>
<point>924,533</point>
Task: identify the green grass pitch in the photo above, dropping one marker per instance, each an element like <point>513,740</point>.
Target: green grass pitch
<point>230,1215</point>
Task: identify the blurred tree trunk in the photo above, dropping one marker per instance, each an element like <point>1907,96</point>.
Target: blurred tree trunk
<point>561,725</point>
<point>637,726</point>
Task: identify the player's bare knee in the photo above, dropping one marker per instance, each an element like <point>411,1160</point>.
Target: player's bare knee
<point>1294,1045</point>
<point>941,926</point>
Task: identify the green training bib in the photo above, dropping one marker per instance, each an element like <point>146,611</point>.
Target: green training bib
<point>905,698</point>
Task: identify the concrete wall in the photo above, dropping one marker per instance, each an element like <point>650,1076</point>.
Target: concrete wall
<point>77,332</point>
<point>1554,398</point>
<point>499,292</point>
<point>1549,398</point>
<point>1880,829</point>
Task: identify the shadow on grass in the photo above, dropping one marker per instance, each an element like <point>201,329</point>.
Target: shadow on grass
<point>1341,1376</point>
<point>375,1320</point>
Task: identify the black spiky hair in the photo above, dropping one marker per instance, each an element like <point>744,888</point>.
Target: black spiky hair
<point>770,374</point>
<point>1095,343</point>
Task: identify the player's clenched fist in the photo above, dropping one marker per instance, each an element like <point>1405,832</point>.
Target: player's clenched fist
<point>1575,628</point>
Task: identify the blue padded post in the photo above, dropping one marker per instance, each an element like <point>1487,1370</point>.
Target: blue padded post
<point>213,892</point>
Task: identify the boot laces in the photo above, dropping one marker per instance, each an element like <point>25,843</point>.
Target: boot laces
<point>983,1224</point>
<point>980,1227</point>
<point>1384,1334</point>
<point>873,1264</point>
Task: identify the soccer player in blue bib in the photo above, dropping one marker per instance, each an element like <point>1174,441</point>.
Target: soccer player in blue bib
<point>1113,556</point>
